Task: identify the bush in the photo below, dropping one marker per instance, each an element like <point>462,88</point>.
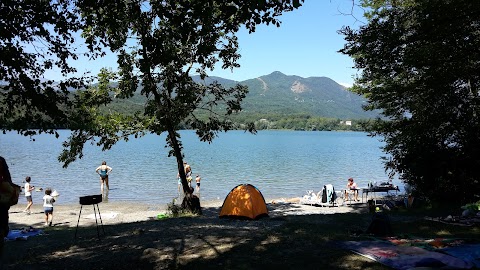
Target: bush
<point>174,210</point>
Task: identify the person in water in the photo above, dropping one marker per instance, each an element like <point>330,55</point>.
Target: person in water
<point>197,180</point>
<point>103,170</point>
<point>188,173</point>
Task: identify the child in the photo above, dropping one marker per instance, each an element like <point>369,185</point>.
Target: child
<point>48,201</point>
<point>28,194</point>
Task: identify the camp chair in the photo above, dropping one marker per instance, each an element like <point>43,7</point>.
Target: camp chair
<point>329,196</point>
<point>348,195</point>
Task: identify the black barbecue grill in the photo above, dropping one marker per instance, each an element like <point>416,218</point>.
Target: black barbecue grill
<point>91,200</point>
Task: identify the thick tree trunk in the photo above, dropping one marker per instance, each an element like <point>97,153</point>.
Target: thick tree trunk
<point>192,203</point>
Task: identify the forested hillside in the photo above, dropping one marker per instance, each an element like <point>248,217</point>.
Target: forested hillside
<point>280,101</point>
<point>316,96</point>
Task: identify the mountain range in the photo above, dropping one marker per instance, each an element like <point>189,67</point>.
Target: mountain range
<point>282,94</point>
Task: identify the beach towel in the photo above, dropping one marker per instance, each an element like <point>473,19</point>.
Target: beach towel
<point>432,244</point>
<point>110,215</point>
<point>22,234</point>
<point>310,198</point>
<point>403,257</point>
<point>469,253</point>
<point>458,248</point>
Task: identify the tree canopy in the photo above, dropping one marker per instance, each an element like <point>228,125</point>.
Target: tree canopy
<point>159,44</point>
<point>419,64</point>
<point>36,37</point>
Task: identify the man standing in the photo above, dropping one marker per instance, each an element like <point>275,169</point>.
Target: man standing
<point>197,179</point>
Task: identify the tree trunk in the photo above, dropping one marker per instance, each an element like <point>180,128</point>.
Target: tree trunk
<point>190,202</point>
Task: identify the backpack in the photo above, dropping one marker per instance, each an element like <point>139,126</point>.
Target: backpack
<point>380,225</point>
<point>9,193</point>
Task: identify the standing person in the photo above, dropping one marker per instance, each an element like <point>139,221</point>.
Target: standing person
<point>179,180</point>
<point>197,179</point>
<point>103,170</point>
<point>28,194</point>
<point>4,229</point>
<point>188,173</point>
<point>352,187</point>
<point>48,201</point>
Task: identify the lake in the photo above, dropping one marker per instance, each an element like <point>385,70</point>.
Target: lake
<point>279,163</point>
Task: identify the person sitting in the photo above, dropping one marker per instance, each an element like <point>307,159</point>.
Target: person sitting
<point>352,188</point>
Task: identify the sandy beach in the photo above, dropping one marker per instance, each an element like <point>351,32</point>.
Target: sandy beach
<point>133,238</point>
<point>128,212</point>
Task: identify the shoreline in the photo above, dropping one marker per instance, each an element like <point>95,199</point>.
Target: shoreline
<point>111,213</point>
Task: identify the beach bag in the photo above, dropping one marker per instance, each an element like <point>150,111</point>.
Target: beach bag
<point>380,225</point>
<point>9,193</point>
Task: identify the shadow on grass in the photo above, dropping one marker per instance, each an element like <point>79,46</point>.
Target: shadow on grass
<point>207,242</point>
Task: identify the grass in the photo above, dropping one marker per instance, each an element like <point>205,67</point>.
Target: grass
<point>206,242</point>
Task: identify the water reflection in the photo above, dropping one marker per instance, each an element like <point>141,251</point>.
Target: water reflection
<point>105,195</point>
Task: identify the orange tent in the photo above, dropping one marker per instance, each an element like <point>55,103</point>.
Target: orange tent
<point>244,201</point>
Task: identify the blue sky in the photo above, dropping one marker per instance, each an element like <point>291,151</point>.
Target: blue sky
<point>306,45</point>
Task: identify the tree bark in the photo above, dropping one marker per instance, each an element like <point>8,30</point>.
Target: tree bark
<point>192,203</point>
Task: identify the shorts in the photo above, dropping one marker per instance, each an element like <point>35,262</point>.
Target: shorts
<point>29,198</point>
<point>48,210</point>
<point>198,184</point>
<point>104,176</point>
<point>179,181</point>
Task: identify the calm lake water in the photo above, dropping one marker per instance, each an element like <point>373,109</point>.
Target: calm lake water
<point>278,163</point>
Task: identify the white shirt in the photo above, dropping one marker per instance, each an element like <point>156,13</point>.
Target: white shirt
<point>48,201</point>
<point>27,189</point>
